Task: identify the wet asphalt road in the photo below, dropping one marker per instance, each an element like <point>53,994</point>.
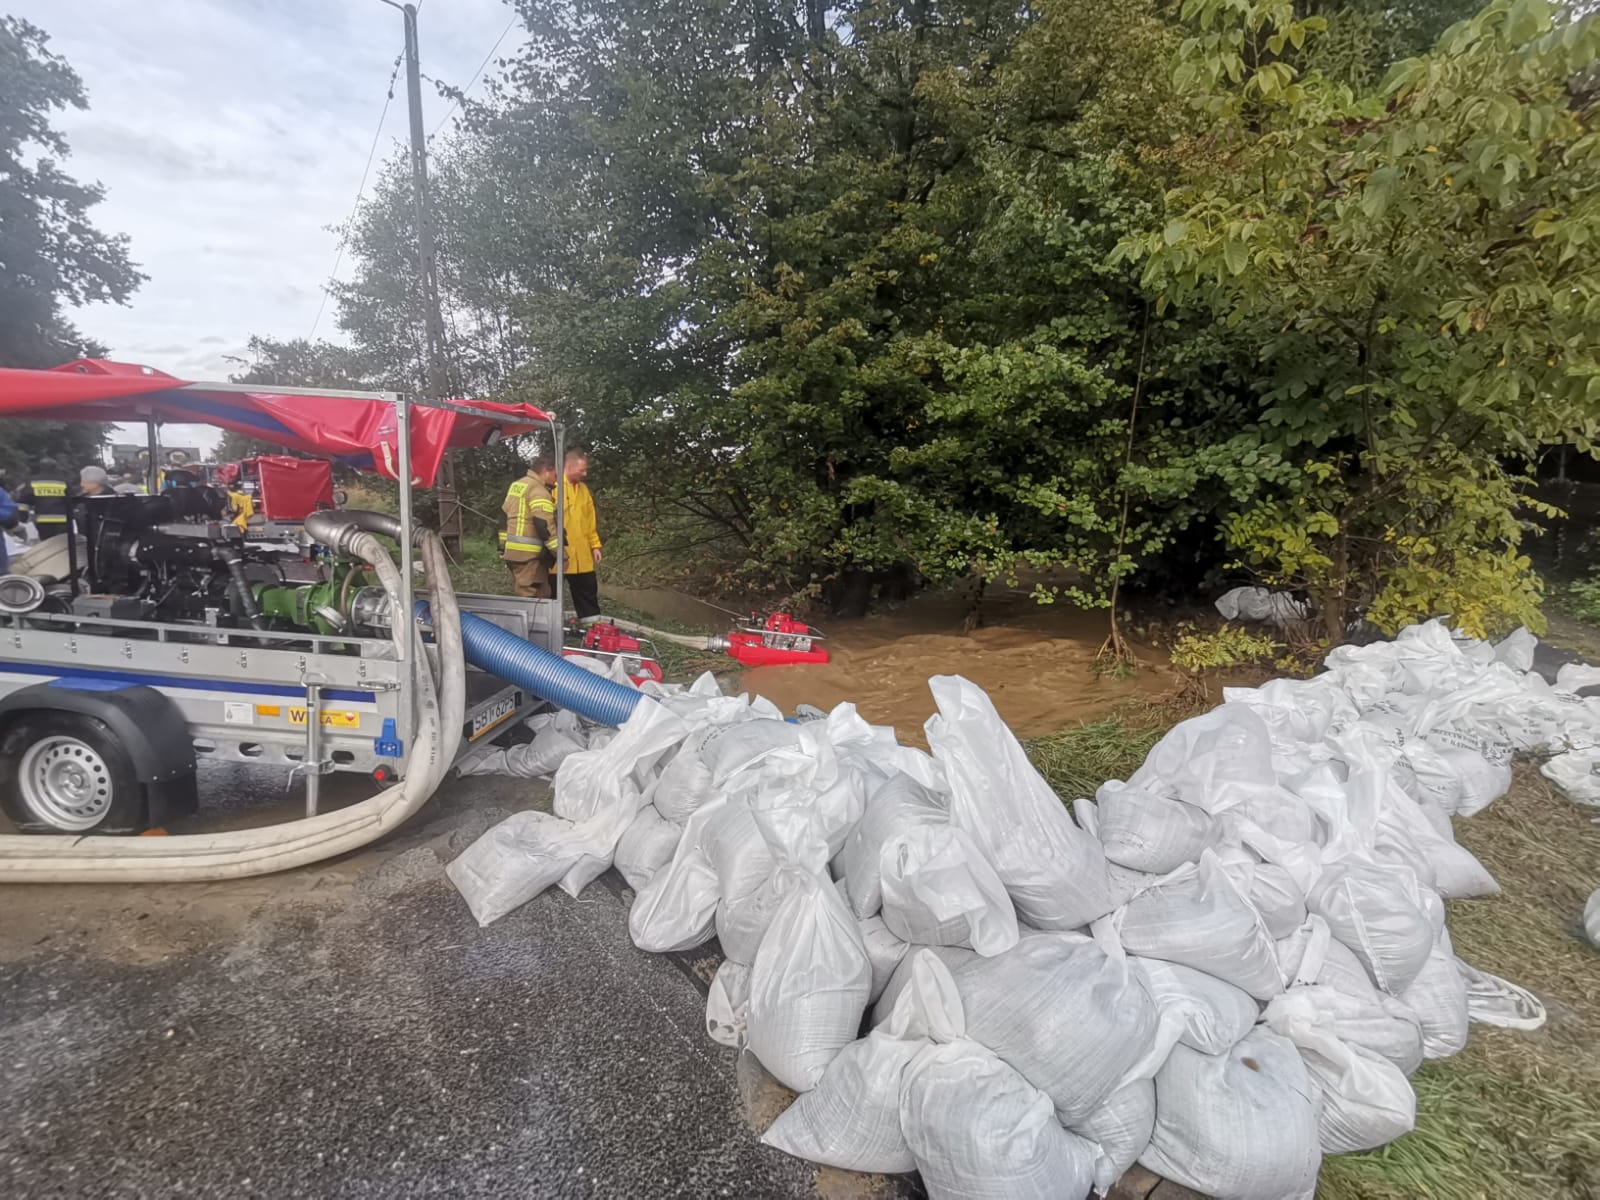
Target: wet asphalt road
<point>351,1032</point>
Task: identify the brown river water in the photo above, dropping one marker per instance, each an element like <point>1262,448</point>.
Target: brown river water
<point>1035,661</point>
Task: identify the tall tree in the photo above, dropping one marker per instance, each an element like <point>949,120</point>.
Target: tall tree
<point>1418,266</point>
<point>51,255</point>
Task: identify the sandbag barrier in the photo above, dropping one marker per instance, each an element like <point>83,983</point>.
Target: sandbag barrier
<point>1222,968</point>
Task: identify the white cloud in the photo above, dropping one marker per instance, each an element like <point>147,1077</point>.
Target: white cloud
<point>229,135</point>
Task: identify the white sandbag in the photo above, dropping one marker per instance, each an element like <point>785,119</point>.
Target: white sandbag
<point>884,951</point>
<point>601,781</point>
<point>647,845</point>
<point>1484,779</point>
<point>550,747</point>
<point>513,862</point>
<point>897,804</point>
<point>951,957</point>
<point>1577,774</point>
<point>1279,609</point>
<point>851,1119</point>
<point>1214,761</point>
<point>1120,1128</point>
<point>1054,871</point>
<point>813,791</point>
<point>1591,918</point>
<point>728,1004</point>
<point>1269,888</point>
<point>737,849</point>
<point>1072,1019</point>
<point>1430,776</point>
<point>939,890</point>
<point>1147,832</point>
<point>1576,676</point>
<point>1374,1022</point>
<point>1211,1013</point>
<point>1376,911</point>
<point>1197,917</point>
<point>684,783</point>
<point>1312,955</point>
<point>677,909</point>
<point>1367,1101</point>
<point>929,1005</point>
<point>733,748</point>
<point>980,1131</point>
<point>743,922</point>
<point>809,984</point>
<point>1517,650</point>
<point>1240,1125</point>
<point>1438,999</point>
<point>1296,711</point>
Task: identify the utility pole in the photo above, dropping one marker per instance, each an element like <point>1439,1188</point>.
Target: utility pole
<point>433,323</point>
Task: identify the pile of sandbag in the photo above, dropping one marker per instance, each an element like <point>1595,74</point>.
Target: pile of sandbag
<point>1223,967</point>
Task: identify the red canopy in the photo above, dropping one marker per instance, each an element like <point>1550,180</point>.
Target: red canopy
<point>356,429</point>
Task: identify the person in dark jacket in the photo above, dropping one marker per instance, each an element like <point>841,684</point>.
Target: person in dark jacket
<point>46,495</point>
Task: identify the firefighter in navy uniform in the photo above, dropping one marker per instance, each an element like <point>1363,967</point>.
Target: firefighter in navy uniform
<point>530,543</point>
<point>46,495</point>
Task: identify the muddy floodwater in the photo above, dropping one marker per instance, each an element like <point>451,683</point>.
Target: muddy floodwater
<point>1037,662</point>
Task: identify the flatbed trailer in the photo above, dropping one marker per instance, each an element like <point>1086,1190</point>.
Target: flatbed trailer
<point>93,705</point>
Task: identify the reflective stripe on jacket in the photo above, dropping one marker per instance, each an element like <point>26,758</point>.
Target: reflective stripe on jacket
<point>583,534</point>
<point>48,498</point>
<point>530,517</point>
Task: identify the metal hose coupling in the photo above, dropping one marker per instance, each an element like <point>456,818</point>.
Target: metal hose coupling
<point>20,594</point>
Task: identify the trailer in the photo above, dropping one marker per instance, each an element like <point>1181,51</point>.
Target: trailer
<point>156,636</point>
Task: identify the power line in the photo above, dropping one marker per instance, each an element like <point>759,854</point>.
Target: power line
<point>344,237</point>
<point>454,104</point>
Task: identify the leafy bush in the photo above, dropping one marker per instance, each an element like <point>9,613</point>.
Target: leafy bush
<point>1229,646</point>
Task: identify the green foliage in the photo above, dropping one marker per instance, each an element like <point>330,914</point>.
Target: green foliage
<point>51,256</point>
<point>1229,646</point>
<point>1416,263</point>
<point>1580,598</point>
<point>1128,293</point>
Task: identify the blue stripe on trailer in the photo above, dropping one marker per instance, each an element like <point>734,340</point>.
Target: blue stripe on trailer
<point>133,678</point>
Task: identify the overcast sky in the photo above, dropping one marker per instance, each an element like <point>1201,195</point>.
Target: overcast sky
<point>229,134</point>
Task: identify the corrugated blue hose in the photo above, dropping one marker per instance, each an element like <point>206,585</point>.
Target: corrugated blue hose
<point>548,676</point>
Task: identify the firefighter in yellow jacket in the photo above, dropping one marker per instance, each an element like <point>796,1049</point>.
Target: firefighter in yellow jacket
<point>583,536</point>
<point>530,542</point>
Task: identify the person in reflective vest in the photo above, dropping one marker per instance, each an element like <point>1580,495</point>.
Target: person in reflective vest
<point>530,542</point>
<point>46,496</point>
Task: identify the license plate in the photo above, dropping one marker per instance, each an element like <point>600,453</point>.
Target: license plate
<point>495,714</point>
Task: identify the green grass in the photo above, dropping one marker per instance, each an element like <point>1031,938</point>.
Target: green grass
<point>1077,761</point>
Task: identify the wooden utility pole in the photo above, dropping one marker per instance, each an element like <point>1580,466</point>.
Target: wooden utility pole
<point>450,528</point>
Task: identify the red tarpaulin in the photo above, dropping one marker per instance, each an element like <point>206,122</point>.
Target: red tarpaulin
<point>291,488</point>
<point>357,430</point>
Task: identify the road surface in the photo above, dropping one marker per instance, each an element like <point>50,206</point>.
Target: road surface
<point>347,1030</point>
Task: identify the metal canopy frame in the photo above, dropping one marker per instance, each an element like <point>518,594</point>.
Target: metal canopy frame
<point>407,650</point>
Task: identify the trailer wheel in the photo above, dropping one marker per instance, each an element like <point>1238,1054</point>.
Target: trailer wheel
<point>63,772</point>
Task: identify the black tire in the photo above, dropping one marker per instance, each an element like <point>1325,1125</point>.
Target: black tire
<point>63,772</point>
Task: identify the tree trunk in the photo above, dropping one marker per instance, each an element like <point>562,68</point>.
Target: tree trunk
<point>1333,600</point>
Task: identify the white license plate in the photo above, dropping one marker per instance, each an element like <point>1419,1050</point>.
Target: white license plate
<point>496,714</point>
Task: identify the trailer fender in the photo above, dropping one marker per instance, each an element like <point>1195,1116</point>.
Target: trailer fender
<point>149,726</point>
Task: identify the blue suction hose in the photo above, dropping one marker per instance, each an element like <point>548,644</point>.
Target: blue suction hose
<point>548,676</point>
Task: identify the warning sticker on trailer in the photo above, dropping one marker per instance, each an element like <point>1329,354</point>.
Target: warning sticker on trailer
<point>235,712</point>
<point>338,718</point>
